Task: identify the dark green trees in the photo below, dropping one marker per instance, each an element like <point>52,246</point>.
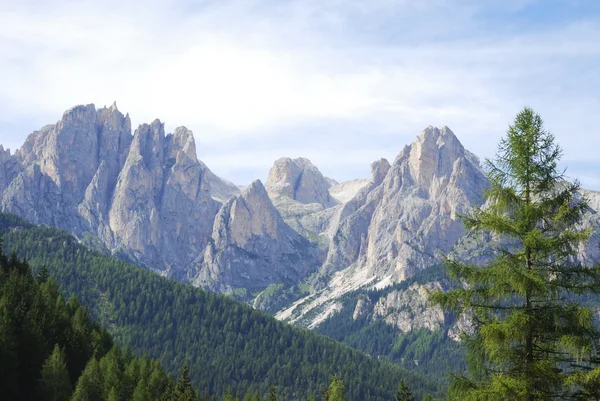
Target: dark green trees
<point>54,383</point>
<point>50,350</point>
<point>529,335</point>
<point>403,393</point>
<point>183,389</point>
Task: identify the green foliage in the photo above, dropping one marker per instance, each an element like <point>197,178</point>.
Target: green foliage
<point>336,390</point>
<point>531,340</point>
<point>403,393</point>
<point>272,394</point>
<point>183,389</point>
<point>55,384</point>
<point>227,344</point>
<point>432,354</point>
<point>50,347</point>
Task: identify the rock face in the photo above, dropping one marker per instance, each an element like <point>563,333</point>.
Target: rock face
<point>163,212</point>
<point>408,214</point>
<point>402,221</point>
<point>410,309</point>
<point>9,169</point>
<point>300,180</point>
<point>363,308</point>
<point>145,196</point>
<point>253,247</point>
<point>148,198</point>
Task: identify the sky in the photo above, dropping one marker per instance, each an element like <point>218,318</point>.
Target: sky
<point>341,82</point>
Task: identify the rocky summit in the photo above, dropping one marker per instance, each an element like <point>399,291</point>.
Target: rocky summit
<point>301,237</point>
<point>144,196</point>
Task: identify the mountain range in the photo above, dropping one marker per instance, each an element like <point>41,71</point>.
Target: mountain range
<point>293,246</point>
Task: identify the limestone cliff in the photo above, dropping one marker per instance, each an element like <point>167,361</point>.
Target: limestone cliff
<point>252,247</point>
<point>300,180</point>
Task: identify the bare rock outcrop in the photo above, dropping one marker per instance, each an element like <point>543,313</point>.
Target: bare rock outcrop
<point>403,224</point>
<point>145,196</point>
<point>253,247</point>
<point>409,310</point>
<point>300,180</point>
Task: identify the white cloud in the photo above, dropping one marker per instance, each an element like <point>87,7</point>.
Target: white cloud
<point>378,71</point>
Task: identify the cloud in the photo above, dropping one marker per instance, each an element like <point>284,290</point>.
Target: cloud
<point>258,77</point>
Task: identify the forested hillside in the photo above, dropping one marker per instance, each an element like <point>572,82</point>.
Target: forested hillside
<point>50,349</point>
<point>227,344</point>
<point>431,353</point>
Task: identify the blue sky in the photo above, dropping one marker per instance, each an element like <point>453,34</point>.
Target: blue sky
<point>342,82</point>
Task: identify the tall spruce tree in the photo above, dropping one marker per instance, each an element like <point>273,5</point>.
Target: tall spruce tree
<point>55,384</point>
<point>184,390</point>
<point>403,393</point>
<point>336,390</point>
<point>531,340</point>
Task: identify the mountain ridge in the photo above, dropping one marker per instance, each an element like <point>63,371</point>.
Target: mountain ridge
<point>299,242</point>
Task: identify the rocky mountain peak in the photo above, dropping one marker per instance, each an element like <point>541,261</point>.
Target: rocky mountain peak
<point>300,180</point>
<point>433,153</point>
<point>252,246</point>
<point>250,214</point>
<point>379,169</point>
<point>148,144</point>
<point>183,141</point>
<point>4,154</point>
<point>110,119</point>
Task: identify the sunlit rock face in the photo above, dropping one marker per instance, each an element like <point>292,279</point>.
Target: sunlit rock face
<point>145,196</point>
<point>300,180</point>
<point>253,247</point>
<point>409,214</point>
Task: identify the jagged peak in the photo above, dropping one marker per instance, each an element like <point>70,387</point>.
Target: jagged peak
<point>379,169</point>
<point>4,154</point>
<point>145,129</point>
<point>79,107</point>
<point>433,153</point>
<point>183,140</point>
<point>75,112</point>
<point>255,188</point>
<point>300,180</point>
<point>301,162</point>
<point>149,142</point>
<point>437,135</point>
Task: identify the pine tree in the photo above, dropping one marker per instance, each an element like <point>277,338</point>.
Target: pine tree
<point>89,386</point>
<point>43,275</point>
<point>55,384</point>
<point>336,390</point>
<point>272,394</point>
<point>530,337</point>
<point>403,393</point>
<point>183,389</point>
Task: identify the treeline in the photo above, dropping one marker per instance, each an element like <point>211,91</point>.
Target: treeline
<point>51,350</point>
<point>230,348</point>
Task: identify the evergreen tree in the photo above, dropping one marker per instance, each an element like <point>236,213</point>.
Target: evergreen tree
<point>55,384</point>
<point>403,393</point>
<point>272,394</point>
<point>184,391</point>
<point>43,275</point>
<point>529,337</point>
<point>336,390</point>
<point>89,386</point>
